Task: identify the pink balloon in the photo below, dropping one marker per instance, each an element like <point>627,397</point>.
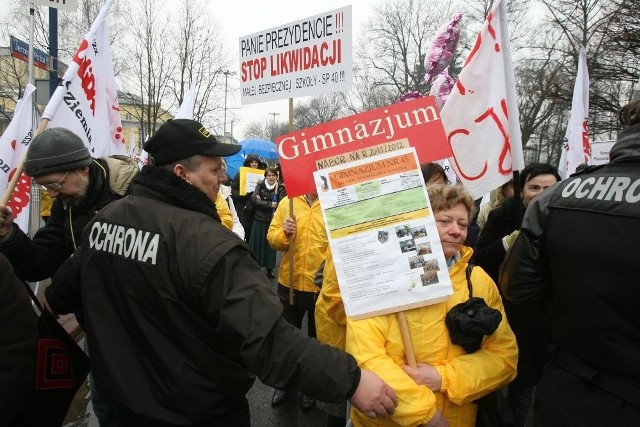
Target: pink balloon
<point>442,48</point>
<point>441,87</point>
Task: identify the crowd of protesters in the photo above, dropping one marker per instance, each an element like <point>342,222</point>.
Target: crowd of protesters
<point>178,330</point>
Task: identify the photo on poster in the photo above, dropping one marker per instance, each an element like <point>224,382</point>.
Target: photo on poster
<point>403,231</point>
<point>416,262</point>
<point>432,264</point>
<point>407,246</point>
<point>419,232</point>
<point>423,248</point>
<point>429,278</point>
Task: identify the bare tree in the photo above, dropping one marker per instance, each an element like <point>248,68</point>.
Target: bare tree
<point>319,109</point>
<point>395,41</point>
<point>202,58</point>
<point>153,63</point>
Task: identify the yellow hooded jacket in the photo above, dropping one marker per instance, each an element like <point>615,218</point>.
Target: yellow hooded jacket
<point>310,242</point>
<point>331,320</point>
<point>376,344</point>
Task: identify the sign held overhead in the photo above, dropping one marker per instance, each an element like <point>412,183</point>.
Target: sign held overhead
<point>308,57</point>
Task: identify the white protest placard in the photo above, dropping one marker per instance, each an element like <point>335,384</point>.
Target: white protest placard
<point>383,234</point>
<point>68,5</point>
<point>249,178</point>
<point>308,57</point>
<point>600,152</point>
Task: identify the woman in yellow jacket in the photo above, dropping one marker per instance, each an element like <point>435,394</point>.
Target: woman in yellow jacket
<point>447,380</point>
<point>331,328</point>
<point>310,243</point>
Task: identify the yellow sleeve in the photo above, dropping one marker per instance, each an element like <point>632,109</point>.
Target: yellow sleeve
<point>366,340</point>
<point>275,235</point>
<point>468,377</point>
<point>223,212</point>
<point>331,320</point>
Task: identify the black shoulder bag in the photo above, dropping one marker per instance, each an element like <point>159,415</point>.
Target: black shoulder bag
<point>62,367</point>
<point>468,323</point>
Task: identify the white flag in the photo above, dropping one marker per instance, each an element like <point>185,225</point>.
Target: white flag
<point>13,147</point>
<point>87,100</point>
<point>480,116</point>
<point>576,148</point>
<point>185,111</point>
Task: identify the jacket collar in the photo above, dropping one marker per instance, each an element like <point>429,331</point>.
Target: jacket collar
<point>160,184</point>
<point>628,146</point>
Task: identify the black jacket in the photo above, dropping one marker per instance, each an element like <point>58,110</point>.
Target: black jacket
<point>262,198</point>
<point>18,347</point>
<point>39,258</point>
<point>530,322</point>
<point>179,314</point>
<point>578,248</point>
<point>490,251</point>
<point>240,201</point>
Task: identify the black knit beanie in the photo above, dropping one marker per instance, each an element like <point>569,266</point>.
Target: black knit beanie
<point>55,150</point>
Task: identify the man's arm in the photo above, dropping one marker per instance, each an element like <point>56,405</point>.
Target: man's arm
<point>63,295</point>
<point>239,299</point>
<point>39,258</point>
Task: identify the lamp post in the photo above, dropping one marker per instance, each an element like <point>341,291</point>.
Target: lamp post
<point>224,125</point>
<point>273,128</point>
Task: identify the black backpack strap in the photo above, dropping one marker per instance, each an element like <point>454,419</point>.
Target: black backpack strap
<point>468,274</point>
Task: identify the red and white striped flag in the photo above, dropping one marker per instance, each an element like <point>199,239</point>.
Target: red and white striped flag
<point>13,146</point>
<point>480,116</point>
<point>576,148</point>
<point>87,100</point>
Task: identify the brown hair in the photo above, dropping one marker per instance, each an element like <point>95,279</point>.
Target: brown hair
<point>429,170</point>
<point>446,197</point>
<point>270,169</point>
<point>630,114</point>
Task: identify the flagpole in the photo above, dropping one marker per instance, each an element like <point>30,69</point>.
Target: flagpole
<point>31,13</point>
<point>16,176</point>
<point>290,215</point>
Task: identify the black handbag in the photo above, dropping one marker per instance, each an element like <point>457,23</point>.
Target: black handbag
<point>468,323</point>
<point>62,367</point>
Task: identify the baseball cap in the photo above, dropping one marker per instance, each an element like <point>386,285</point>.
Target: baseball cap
<point>179,139</point>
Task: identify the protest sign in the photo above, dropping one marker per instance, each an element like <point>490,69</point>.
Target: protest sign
<point>360,136</point>
<point>308,57</point>
<point>383,234</point>
<point>249,178</point>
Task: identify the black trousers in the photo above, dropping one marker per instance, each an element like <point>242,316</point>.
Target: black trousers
<point>303,302</point>
<point>563,399</point>
<point>238,416</point>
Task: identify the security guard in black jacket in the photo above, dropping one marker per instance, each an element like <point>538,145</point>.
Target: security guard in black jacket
<point>179,316</point>
<point>579,247</point>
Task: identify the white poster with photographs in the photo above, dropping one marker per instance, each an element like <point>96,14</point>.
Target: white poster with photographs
<point>383,235</point>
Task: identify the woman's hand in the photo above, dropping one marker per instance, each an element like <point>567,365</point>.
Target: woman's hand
<point>425,374</point>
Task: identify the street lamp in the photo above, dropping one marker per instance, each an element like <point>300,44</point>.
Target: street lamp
<point>273,129</point>
<point>224,125</point>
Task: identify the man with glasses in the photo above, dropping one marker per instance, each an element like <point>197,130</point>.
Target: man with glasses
<point>59,163</point>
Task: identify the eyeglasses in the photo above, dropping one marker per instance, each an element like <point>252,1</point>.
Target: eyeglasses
<point>54,186</point>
